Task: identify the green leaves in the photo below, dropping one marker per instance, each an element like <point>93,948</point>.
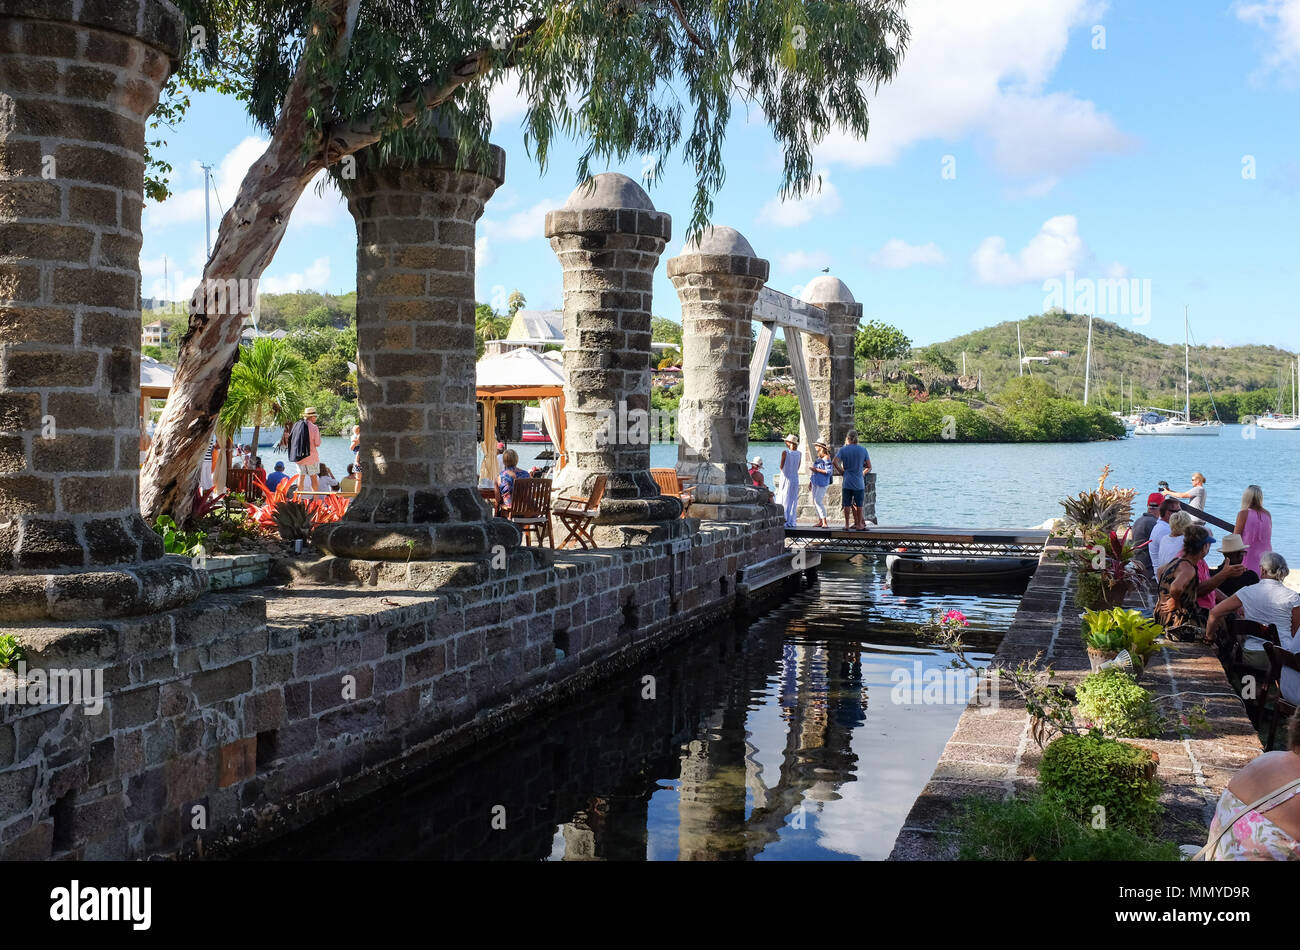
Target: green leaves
<point>11,651</point>
<point>176,541</point>
<point>880,341</point>
<point>626,78</point>
<point>266,386</point>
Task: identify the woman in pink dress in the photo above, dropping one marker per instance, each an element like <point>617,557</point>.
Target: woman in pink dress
<point>1255,525</point>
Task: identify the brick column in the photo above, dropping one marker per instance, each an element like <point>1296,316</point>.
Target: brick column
<point>608,237</point>
<point>415,362</point>
<point>75,90</point>
<point>718,280</point>
<point>829,361</point>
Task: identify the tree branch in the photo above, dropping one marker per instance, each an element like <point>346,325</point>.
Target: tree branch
<point>352,135</point>
<point>681,16</point>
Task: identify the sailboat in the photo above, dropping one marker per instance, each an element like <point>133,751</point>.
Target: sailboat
<point>1279,421</point>
<point>1183,425</point>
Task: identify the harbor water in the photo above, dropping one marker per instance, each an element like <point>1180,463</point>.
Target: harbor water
<point>805,734</point>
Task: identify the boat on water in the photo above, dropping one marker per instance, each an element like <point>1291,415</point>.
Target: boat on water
<point>1180,422</point>
<point>1179,425</point>
<point>920,567</point>
<point>534,430</point>
<point>1278,420</point>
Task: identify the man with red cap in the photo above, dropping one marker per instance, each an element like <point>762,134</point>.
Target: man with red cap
<point>1141,533</point>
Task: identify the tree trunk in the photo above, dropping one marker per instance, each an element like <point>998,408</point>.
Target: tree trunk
<point>249,234</point>
<point>248,237</point>
<point>257,432</point>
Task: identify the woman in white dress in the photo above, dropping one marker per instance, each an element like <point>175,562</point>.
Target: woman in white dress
<point>788,497</point>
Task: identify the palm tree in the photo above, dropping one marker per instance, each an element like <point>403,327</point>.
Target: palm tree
<point>266,386</point>
<point>515,302</point>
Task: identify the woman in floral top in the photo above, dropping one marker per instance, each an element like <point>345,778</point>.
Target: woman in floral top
<point>1271,830</point>
<point>511,471</point>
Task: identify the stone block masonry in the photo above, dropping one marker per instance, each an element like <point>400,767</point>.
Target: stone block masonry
<point>608,238</point>
<point>77,83</point>
<point>415,363</point>
<point>244,714</point>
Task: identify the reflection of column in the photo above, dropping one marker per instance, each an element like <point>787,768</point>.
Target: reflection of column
<point>718,279</point>
<point>72,140</point>
<point>608,237</point>
<point>711,790</point>
<point>829,361</point>
<point>415,362</point>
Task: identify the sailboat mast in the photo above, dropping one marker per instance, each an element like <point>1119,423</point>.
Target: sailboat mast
<point>1020,350</point>
<point>1087,365</point>
<point>1187,363</point>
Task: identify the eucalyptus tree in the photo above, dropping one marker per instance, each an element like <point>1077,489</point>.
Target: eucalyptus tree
<point>624,78</point>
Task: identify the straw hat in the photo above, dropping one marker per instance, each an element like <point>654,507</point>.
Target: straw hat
<point>823,445</point>
<point>791,440</point>
<point>309,411</point>
<point>1233,544</point>
<point>756,461</point>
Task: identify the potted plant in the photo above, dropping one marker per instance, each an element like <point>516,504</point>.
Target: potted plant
<point>1104,644</point>
<point>1107,632</point>
<point>293,521</point>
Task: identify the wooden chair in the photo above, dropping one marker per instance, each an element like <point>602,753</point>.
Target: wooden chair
<point>578,514</point>
<point>1232,637</point>
<point>530,509</point>
<point>1278,658</point>
<point>670,484</point>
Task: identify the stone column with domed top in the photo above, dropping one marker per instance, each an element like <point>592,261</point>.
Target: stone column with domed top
<point>718,278</point>
<point>608,237</point>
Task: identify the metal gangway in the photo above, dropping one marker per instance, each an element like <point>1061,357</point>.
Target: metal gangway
<point>924,540</point>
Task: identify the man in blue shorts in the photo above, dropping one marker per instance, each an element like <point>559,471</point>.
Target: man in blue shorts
<point>853,462</point>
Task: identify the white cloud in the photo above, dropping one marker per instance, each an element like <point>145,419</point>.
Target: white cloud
<point>315,277</point>
<point>1116,270</point>
<point>506,101</point>
<point>980,70</point>
<point>818,203</point>
<point>1280,21</point>
<point>321,205</point>
<point>803,260</point>
<point>522,225</point>
<point>482,253</point>
<point>897,254</point>
<point>1055,249</point>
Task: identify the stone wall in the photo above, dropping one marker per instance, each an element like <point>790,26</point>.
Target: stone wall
<point>244,714</point>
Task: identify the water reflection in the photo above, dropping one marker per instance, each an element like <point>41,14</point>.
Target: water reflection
<point>778,740</point>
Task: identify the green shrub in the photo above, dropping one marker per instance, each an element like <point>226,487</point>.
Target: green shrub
<point>1082,772</point>
<point>11,651</point>
<point>176,541</point>
<point>1113,702</point>
<point>1040,828</point>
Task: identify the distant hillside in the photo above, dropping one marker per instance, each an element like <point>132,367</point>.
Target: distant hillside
<point>1154,368</point>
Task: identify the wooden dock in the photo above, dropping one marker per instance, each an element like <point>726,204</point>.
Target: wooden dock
<point>930,541</point>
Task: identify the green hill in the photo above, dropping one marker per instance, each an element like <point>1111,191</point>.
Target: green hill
<point>1154,369</point>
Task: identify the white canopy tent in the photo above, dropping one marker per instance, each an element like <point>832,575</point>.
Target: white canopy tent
<point>516,375</point>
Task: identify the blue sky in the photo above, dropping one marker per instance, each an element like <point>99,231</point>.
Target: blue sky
<point>1024,140</point>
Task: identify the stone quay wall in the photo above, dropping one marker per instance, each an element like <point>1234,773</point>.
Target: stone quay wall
<point>246,714</point>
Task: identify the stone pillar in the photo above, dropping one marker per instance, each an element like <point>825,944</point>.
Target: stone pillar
<point>718,279</point>
<point>608,237</point>
<point>415,362</point>
<point>77,82</point>
<point>829,361</point>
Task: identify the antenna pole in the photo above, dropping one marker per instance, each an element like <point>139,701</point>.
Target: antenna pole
<point>207,210</point>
